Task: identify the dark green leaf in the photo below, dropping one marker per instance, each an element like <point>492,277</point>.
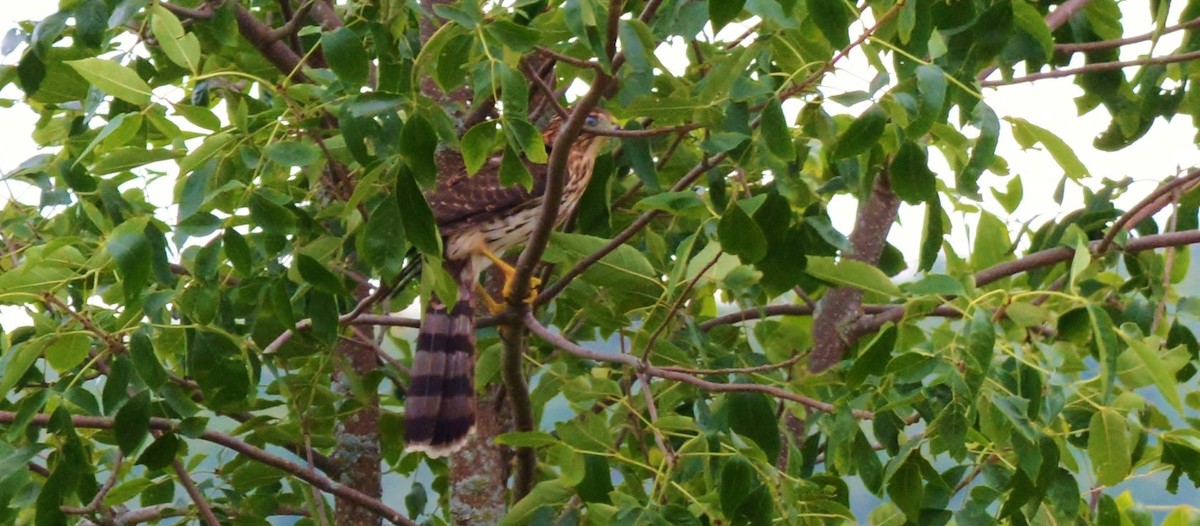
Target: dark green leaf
<point>513,170</point>
<point>516,37</point>
<point>983,153</point>
<point>130,248</point>
<point>833,19</point>
<point>775,131</point>
<point>1108,446</point>
<point>237,251</point>
<point>316,274</point>
<point>141,349</point>
<point>478,144</point>
<point>417,144</point>
<point>722,12</point>
<point>861,135</point>
<point>381,242</point>
<point>741,236</point>
<point>160,453</point>
<point>132,422</point>
<point>346,55</point>
<point>270,216</point>
<point>753,416</point>
<point>912,180</point>
<point>419,225</point>
<point>738,480</point>
<point>293,153</point>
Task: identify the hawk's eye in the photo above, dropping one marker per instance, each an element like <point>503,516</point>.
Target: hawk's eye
<point>591,121</point>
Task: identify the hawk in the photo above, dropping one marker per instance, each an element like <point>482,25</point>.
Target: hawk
<point>479,219</point>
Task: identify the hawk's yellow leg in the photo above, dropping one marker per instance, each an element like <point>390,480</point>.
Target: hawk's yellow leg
<point>509,272</point>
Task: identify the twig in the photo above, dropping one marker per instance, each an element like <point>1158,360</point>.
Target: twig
<point>1116,43</point>
<point>1043,258</point>
<point>290,27</point>
<point>579,63</point>
<point>206,511</point>
<point>806,310</point>
<point>683,296</point>
<point>651,408</point>
<point>843,53</point>
<point>631,361</point>
<point>255,453</point>
<point>1093,68</point>
<point>1160,309</point>
<point>738,370</point>
<point>1147,207</point>
<point>201,13</point>
<point>98,499</point>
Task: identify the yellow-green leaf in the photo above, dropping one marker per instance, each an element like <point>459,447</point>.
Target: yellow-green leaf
<point>114,79</point>
<point>851,273</point>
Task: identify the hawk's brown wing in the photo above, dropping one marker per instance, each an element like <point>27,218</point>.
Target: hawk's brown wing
<point>460,200</point>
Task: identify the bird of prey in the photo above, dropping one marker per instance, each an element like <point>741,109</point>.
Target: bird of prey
<point>479,219</point>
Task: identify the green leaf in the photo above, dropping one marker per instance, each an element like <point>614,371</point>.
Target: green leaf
<point>1028,134</point>
<point>417,144</point>
<point>145,362</point>
<point>983,153</point>
<point>597,479</point>
<point>912,180</point>
<point>213,145</point>
<point>625,268</point>
<point>513,170</point>
<point>550,493</point>
<point>1105,339</point>
<point>861,135</point>
<point>775,131</point>
<point>527,439</point>
<point>219,368</point>
<point>738,480</point>
<point>637,152</point>
<point>931,85</point>
<point>237,251</point>
<point>419,225</point>
<point>199,115</point>
<point>741,236</point>
<point>182,48</point>
<point>315,274</point>
<point>271,217</point>
<point>289,153</point>
<point>873,360</point>
<point>130,157</point>
<point>114,79</point>
<point>17,360</point>
<point>160,453</point>
<point>1108,446</point>
<point>132,422</point>
<point>832,19</point>
<point>723,11</point>
<point>671,202</point>
<point>478,144</point>
<point>514,36</point>
<point>130,248</point>
<point>1148,355</point>
<point>381,243</point>
<point>939,284</point>
<point>65,351</point>
<point>346,55</point>
<point>852,273</point>
<point>91,21</point>
<point>753,416</point>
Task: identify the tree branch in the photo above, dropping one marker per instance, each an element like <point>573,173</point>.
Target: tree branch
<point>206,511</point>
<point>559,341</point>
<point>805,310</point>
<point>1105,45</point>
<point>255,453</point>
<point>841,307</point>
<point>1148,206</point>
<point>1093,68</point>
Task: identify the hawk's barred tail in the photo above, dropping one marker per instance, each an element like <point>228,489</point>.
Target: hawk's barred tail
<point>440,411</point>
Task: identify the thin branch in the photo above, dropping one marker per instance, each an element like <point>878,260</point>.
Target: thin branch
<point>614,21</point>
<point>1104,45</point>
<point>579,63</point>
<point>1148,206</point>
<point>663,445</point>
<point>1043,258</point>
<point>559,341</point>
<point>293,24</point>
<point>205,511</point>
<point>98,499</point>
<point>738,370</point>
<point>683,296</point>
<point>1093,68</point>
<point>650,132</point>
<point>204,12</point>
<point>255,453</point>
<point>843,53</point>
<point>806,310</point>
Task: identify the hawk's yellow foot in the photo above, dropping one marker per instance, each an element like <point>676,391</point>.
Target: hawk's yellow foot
<point>509,272</point>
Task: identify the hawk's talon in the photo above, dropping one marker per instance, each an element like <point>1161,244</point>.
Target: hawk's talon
<point>534,283</point>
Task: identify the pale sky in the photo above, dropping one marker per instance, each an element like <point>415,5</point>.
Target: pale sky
<point>1167,148</point>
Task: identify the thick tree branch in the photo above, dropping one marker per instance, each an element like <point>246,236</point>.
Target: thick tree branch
<point>255,453</point>
<point>293,24</point>
<point>841,307</point>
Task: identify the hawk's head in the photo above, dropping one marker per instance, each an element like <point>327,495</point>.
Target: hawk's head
<point>597,119</point>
